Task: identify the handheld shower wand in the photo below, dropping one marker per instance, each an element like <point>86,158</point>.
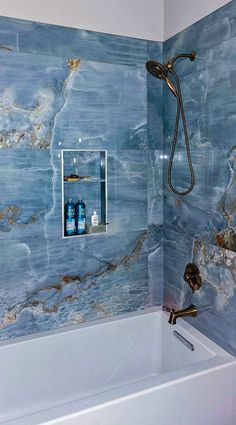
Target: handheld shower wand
<point>161,71</point>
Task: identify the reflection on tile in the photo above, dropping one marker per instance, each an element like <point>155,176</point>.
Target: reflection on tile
<point>155,265</point>
<point>155,187</point>
<point>127,191</point>
<point>208,209</point>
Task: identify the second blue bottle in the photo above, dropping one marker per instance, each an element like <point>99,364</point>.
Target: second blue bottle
<point>80,217</point>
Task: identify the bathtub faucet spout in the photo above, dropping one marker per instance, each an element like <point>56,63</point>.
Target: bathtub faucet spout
<point>190,311</point>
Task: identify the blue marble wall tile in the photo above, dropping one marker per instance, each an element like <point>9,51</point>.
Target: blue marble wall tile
<point>155,221</point>
<point>215,301</point>
<point>207,32</point>
<point>104,108</point>
<point>209,96</point>
<point>155,187</point>
<point>155,265</point>
<point>93,105</point>
<point>208,210</point>
<point>31,94</point>
<point>82,290</point>
<point>25,192</point>
<point>178,249</point>
<point>155,101</point>
<point>217,297</point>
<point>154,49</point>
<point>53,40</point>
<point>47,104</point>
<point>127,191</point>
<point>155,180</point>
<point>194,224</point>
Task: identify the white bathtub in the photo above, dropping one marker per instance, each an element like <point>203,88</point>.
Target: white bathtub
<point>130,370</point>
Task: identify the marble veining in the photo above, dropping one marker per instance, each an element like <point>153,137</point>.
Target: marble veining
<point>218,272</point>
<point>70,288</point>
<point>63,88</point>
<point>216,301</point>
<point>201,226</point>
<point>28,109</point>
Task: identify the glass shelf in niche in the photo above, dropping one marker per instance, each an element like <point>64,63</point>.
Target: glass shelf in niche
<point>92,180</point>
<point>77,168</point>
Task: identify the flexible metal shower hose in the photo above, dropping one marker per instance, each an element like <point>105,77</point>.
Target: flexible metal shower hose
<point>180,110</point>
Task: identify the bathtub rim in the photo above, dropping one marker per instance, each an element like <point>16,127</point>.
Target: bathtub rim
<point>78,326</point>
<point>57,332</point>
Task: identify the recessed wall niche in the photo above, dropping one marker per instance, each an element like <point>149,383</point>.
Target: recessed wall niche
<point>84,178</point>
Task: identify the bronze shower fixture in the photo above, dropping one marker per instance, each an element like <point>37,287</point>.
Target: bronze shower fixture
<point>191,311</point>
<point>192,276</point>
<point>163,72</point>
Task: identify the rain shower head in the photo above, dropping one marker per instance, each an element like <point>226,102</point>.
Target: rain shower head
<point>160,71</point>
<point>157,69</point>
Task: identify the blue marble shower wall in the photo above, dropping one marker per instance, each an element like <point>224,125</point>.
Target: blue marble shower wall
<point>201,227</point>
<point>102,100</point>
<point>107,101</point>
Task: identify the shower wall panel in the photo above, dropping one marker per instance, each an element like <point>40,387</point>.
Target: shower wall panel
<point>201,227</point>
<point>62,88</point>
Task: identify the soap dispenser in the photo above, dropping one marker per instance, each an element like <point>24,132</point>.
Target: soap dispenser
<point>94,219</point>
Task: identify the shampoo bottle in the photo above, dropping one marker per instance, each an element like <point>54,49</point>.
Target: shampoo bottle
<point>70,228</point>
<point>80,217</point>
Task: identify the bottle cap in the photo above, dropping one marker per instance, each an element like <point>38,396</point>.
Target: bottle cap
<point>95,213</point>
<point>70,200</point>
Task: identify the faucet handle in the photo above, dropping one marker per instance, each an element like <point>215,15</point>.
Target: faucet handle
<point>192,276</point>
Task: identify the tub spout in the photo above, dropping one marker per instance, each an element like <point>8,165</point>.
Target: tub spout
<point>190,311</point>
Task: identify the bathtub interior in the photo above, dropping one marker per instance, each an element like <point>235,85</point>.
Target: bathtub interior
<point>175,355</point>
<point>57,368</point>
<point>53,369</point>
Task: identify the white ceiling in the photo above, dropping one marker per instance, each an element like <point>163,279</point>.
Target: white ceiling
<point>180,14</point>
<point>134,18</point>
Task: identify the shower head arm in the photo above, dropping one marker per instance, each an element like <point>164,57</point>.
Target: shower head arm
<point>190,56</point>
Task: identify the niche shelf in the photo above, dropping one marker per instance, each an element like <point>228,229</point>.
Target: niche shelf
<point>84,176</point>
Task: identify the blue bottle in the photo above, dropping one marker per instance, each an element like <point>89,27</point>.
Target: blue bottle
<point>70,227</point>
<point>80,217</point>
